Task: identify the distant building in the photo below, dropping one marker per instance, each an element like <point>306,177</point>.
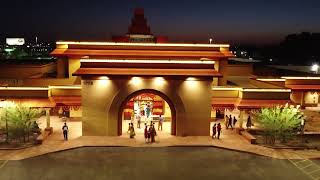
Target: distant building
<point>19,48</point>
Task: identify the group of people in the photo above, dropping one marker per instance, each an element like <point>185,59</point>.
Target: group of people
<point>216,131</point>
<point>230,122</point>
<point>149,134</point>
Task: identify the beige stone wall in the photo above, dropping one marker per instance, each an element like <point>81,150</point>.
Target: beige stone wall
<point>96,100</point>
<point>297,97</point>
<point>302,81</point>
<point>50,82</point>
<point>24,93</point>
<point>264,84</point>
<point>73,66</point>
<point>167,111</point>
<point>65,68</point>
<point>76,113</point>
<point>102,101</point>
<point>223,69</point>
<point>26,71</point>
<point>225,93</point>
<point>65,92</point>
<point>311,98</point>
<point>239,70</point>
<point>265,95</point>
<point>62,68</point>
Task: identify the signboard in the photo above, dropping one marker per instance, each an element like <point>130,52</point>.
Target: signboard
<point>15,41</point>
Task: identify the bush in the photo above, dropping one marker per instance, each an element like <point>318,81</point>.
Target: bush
<point>279,122</point>
<point>21,122</point>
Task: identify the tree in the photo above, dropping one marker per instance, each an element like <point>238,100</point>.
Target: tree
<point>20,121</point>
<point>280,122</point>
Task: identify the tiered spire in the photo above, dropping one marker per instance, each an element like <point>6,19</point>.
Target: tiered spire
<point>139,23</point>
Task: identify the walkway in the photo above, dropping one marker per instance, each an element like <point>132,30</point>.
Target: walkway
<point>229,140</point>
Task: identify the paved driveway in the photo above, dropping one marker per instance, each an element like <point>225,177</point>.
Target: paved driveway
<point>129,163</point>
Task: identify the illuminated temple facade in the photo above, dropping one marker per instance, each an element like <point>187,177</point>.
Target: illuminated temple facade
<point>98,82</point>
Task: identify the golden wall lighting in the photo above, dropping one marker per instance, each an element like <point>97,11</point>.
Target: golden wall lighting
<point>65,87</point>
<point>298,78</point>
<point>147,61</point>
<point>25,88</point>
<point>141,44</point>
<point>271,80</point>
<point>266,90</point>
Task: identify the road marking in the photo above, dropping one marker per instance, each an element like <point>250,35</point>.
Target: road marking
<point>3,164</point>
<point>303,165</point>
<point>313,171</point>
<point>307,166</point>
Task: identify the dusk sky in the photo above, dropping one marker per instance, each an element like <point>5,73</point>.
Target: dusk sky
<point>230,21</point>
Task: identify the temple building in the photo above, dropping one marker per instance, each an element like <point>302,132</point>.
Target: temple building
<point>139,76</point>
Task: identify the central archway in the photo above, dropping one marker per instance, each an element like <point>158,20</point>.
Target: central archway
<point>151,91</point>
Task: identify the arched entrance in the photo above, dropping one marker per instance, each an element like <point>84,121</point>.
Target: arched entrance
<point>131,98</point>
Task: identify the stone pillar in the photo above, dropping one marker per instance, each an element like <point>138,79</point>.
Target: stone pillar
<point>302,99</point>
<point>61,68</point>
<point>48,127</point>
<point>242,112</point>
<point>223,70</point>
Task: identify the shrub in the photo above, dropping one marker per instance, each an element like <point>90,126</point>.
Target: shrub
<point>280,122</point>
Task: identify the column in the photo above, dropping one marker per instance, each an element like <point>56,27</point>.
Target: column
<point>242,112</point>
<point>48,127</point>
<point>302,99</point>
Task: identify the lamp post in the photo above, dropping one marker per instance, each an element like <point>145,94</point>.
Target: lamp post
<point>210,40</point>
<point>315,68</point>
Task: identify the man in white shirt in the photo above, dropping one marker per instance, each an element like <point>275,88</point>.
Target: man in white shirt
<point>65,131</point>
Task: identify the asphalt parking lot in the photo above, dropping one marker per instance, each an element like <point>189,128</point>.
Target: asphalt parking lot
<point>165,163</point>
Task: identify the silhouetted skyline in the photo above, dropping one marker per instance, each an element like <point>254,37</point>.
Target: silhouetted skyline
<point>231,21</point>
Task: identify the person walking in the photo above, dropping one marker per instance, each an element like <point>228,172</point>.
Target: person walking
<point>219,130</point>
<point>214,130</point>
<point>131,130</point>
<point>160,123</point>
<point>249,123</point>
<point>146,136</point>
<point>153,133</point>
<point>230,122</point>
<point>65,130</point>
<point>149,133</point>
<point>227,121</point>
<point>234,121</point>
<point>138,120</point>
<point>148,110</point>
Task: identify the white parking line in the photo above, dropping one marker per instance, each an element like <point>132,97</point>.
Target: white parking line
<point>303,168</point>
<point>3,164</point>
<point>307,166</point>
<point>313,171</point>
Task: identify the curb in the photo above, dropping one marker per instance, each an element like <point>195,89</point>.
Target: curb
<point>172,146</point>
<point>18,148</point>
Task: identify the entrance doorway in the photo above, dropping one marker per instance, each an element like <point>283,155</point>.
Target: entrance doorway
<point>146,108</point>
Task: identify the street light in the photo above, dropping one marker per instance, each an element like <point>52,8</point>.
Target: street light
<point>315,68</point>
<point>210,40</point>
